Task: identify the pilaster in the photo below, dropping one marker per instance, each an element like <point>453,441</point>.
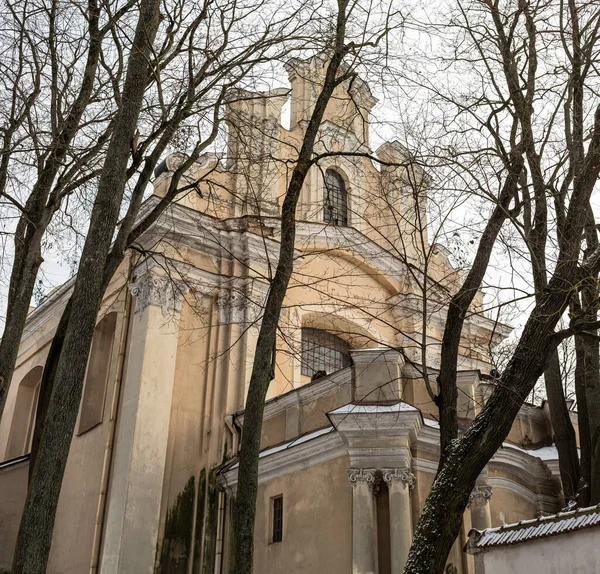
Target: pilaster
<point>401,482</point>
<point>363,520</point>
<point>479,503</point>
<point>134,502</point>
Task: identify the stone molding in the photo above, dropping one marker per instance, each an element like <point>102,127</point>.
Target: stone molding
<point>399,475</point>
<point>358,476</point>
<point>481,495</point>
<point>303,455</point>
<point>158,290</point>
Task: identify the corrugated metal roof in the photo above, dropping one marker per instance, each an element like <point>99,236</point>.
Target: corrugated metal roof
<point>538,528</point>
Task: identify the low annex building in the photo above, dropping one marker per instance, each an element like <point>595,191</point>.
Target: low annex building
<point>350,442</point>
<point>564,542</point>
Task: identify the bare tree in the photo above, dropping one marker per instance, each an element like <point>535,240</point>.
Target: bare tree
<point>212,49</point>
<point>505,37</point>
<point>51,139</point>
<point>345,39</point>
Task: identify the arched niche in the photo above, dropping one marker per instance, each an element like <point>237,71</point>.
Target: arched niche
<point>21,429</point>
<point>96,378</point>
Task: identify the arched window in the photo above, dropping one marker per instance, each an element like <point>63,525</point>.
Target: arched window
<point>336,199</point>
<point>323,352</point>
<point>21,429</point>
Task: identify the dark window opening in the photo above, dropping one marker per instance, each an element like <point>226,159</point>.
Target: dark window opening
<point>278,519</point>
<point>323,353</point>
<point>336,199</point>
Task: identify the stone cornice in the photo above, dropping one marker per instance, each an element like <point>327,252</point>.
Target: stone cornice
<point>377,354</point>
<point>53,305</point>
<point>380,423</point>
<point>529,468</point>
<point>305,394</point>
<point>303,455</point>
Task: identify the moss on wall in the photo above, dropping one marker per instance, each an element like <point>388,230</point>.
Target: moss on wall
<point>199,521</point>
<point>177,540</point>
<point>210,524</point>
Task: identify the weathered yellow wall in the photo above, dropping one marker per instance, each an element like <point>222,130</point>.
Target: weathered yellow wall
<point>319,495</point>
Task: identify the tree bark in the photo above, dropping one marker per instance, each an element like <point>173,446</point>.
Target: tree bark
<point>564,433</point>
<point>263,366</point>
<point>585,444</point>
<point>35,532</point>
<point>466,457</point>
<point>591,375</point>
<point>47,384</point>
<point>460,303</point>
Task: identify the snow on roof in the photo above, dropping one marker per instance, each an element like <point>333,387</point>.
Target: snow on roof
<point>543,453</point>
<point>289,444</point>
<point>538,528</point>
<point>373,409</point>
<point>431,423</point>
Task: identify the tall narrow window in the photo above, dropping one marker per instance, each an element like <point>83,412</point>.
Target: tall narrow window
<point>277,519</point>
<point>336,199</point>
<point>323,352</point>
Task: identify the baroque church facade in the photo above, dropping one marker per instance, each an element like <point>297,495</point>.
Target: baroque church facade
<point>350,440</point>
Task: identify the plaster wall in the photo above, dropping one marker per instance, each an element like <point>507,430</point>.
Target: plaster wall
<point>13,480</point>
<point>508,507</point>
<point>319,495</point>
<point>573,553</point>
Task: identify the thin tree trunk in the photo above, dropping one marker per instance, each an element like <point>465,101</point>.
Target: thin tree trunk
<point>564,433</point>
<point>18,308</point>
<point>263,367</point>
<point>460,303</point>
<point>35,533</point>
<point>39,209</point>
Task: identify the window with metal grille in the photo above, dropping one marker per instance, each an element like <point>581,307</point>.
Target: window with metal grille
<point>277,518</point>
<point>323,352</point>
<point>336,199</point>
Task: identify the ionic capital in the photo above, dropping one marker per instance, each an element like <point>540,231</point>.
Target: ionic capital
<point>481,494</point>
<point>358,476</point>
<point>399,475</point>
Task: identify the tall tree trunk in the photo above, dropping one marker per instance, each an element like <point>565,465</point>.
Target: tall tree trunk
<point>585,444</point>
<point>47,384</point>
<point>35,533</point>
<point>592,407</point>
<point>466,457</point>
<point>461,301</point>
<point>263,366</point>
<point>564,432</point>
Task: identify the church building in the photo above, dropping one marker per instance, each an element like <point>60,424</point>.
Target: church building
<point>350,439</point>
